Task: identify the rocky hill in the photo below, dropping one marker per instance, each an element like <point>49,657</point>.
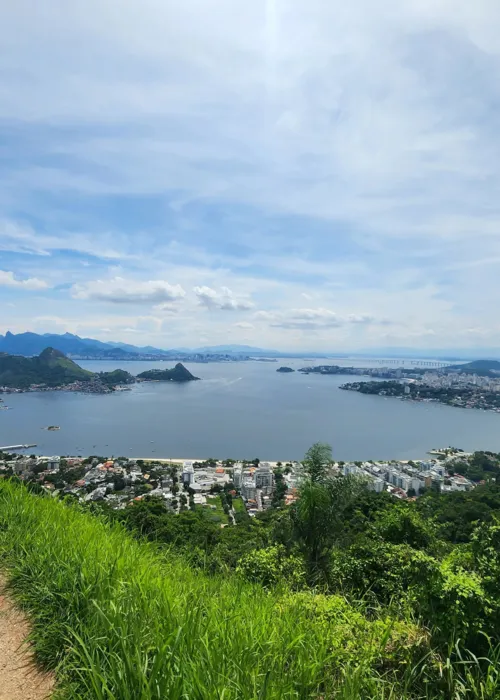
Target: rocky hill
<point>177,374</point>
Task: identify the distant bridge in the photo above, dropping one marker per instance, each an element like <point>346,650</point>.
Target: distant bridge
<point>420,363</point>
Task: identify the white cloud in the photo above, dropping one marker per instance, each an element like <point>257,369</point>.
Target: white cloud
<point>167,308</point>
<point>21,238</point>
<point>313,319</point>
<point>125,291</point>
<point>245,325</point>
<point>32,284</point>
<point>223,300</point>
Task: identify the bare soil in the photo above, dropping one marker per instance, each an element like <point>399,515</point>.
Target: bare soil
<point>20,679</point>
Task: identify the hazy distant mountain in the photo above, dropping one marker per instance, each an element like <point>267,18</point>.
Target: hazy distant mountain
<point>29,344</point>
<point>145,349</point>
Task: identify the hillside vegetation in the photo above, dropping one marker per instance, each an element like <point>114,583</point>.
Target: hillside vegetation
<point>345,594</point>
<point>51,368</point>
<point>118,620</point>
<point>179,373</point>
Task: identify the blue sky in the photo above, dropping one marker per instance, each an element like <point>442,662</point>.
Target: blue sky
<point>300,175</point>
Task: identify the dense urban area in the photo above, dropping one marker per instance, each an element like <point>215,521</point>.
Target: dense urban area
<point>471,385</point>
<point>230,488</point>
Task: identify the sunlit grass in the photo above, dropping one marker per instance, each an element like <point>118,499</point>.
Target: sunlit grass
<point>119,620</point>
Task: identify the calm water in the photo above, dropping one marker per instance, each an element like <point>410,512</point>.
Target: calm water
<point>240,410</point>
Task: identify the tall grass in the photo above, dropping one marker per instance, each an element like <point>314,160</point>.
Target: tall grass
<point>118,620</point>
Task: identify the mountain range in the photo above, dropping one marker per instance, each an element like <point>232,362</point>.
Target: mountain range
<point>30,344</point>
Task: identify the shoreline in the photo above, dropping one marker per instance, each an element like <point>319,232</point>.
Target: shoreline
<point>271,463</point>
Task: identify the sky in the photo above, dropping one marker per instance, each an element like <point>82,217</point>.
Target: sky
<point>305,174</point>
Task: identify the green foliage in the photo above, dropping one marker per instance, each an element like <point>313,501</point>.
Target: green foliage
<point>280,488</point>
<point>385,571</point>
<point>317,460</point>
<point>51,367</point>
<point>318,521</point>
<point>404,525</point>
<point>179,373</point>
<point>482,466</point>
<point>272,567</point>
<point>117,376</point>
<point>458,514</point>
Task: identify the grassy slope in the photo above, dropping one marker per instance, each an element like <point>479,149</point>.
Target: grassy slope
<point>122,622</point>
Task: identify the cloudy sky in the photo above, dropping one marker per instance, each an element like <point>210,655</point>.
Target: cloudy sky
<point>297,174</point>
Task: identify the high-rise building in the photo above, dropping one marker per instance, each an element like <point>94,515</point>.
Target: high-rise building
<point>188,474</point>
<point>238,477</point>
<point>248,489</point>
<point>263,477</point>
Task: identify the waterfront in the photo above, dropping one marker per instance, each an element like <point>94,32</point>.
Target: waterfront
<point>240,410</point>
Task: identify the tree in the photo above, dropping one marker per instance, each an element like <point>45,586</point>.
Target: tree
<point>118,482</point>
<point>280,489</point>
<point>318,520</point>
<point>316,462</point>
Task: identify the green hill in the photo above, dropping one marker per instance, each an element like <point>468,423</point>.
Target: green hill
<point>51,368</point>
<point>177,374</point>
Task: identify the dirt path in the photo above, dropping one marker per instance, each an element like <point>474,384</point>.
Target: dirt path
<point>19,677</point>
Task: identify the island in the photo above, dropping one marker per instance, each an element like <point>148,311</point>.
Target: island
<point>328,369</point>
<point>51,370</point>
<point>285,370</point>
<point>177,374</point>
